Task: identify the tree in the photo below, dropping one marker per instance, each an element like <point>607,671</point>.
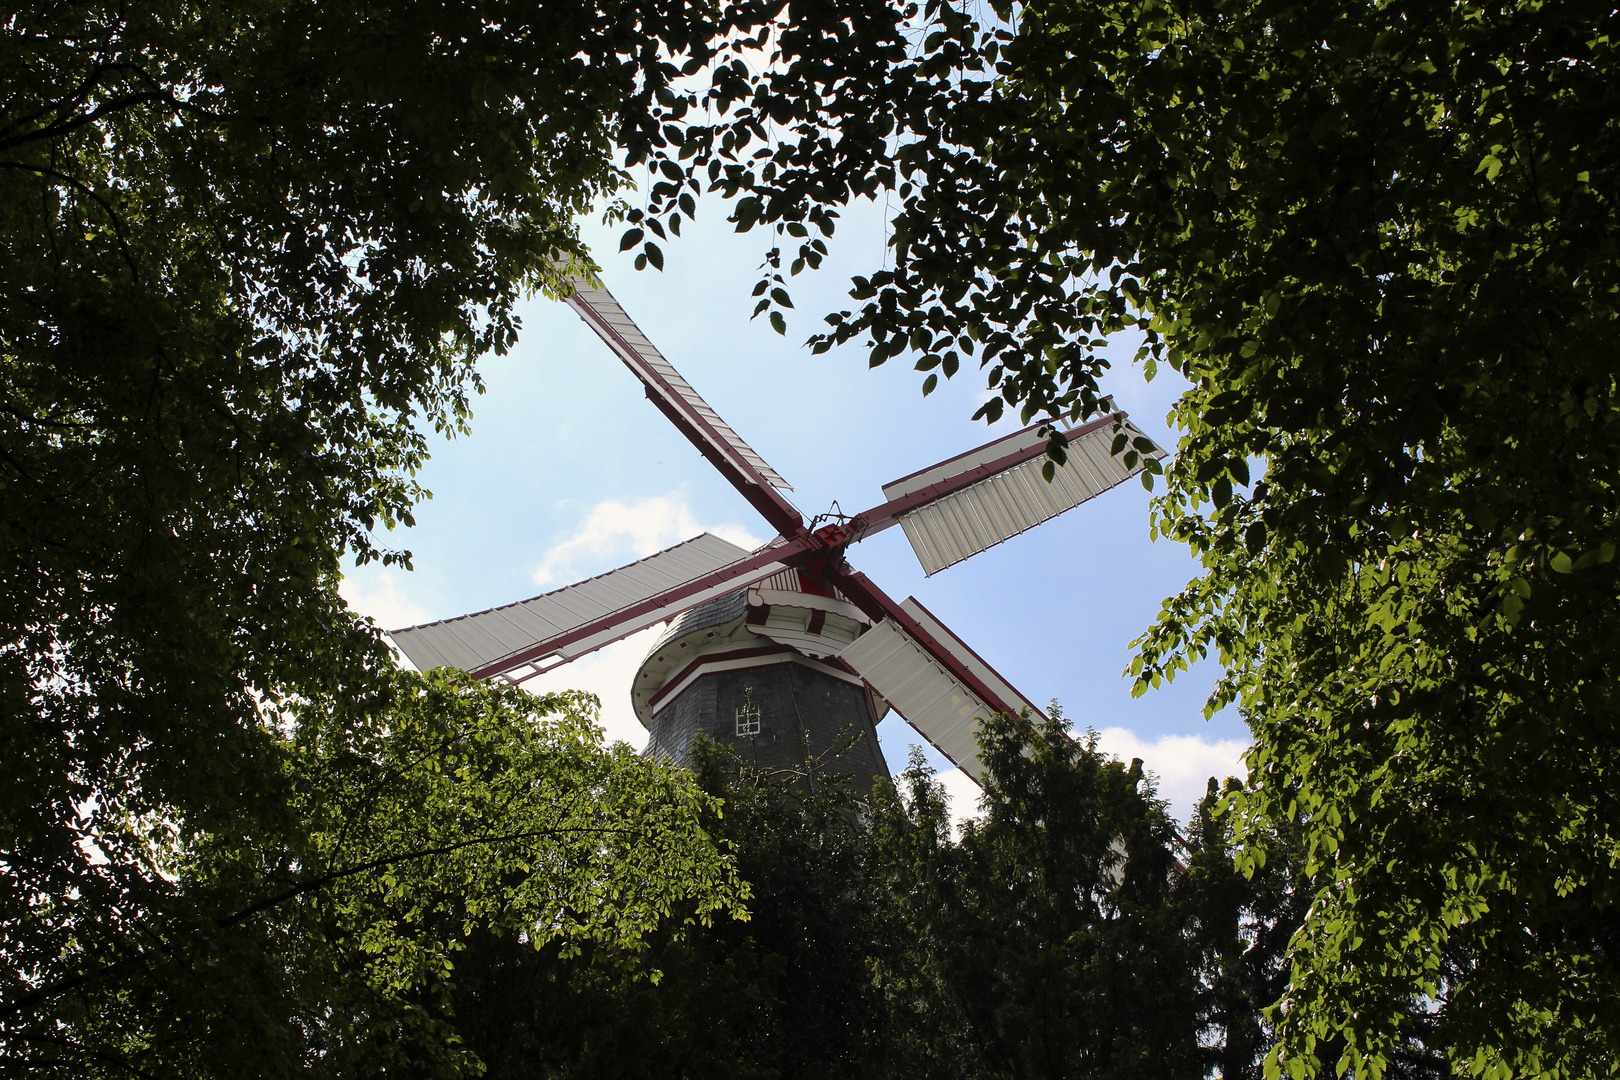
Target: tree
<point>785,993</point>
<point>1378,240</point>
<point>1242,924</point>
<point>1048,942</point>
<point>1055,938</point>
<point>330,945</point>
<point>249,252</point>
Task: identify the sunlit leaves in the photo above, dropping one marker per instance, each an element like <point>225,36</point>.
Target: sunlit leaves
<point>1371,240</point>
<point>461,809</point>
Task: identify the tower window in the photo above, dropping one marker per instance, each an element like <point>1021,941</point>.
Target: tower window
<point>748,715</point>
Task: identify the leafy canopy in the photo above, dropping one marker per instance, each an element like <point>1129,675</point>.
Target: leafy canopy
<point>331,944</point>
<point>250,252</point>
<point>1378,240</point>
<point>1056,937</point>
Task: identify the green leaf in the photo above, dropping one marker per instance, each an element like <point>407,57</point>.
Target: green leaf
<point>1603,553</point>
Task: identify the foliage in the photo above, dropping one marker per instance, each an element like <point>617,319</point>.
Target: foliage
<point>1048,942</point>
<point>1378,240</point>
<point>785,993</point>
<point>249,252</point>
<point>331,946</point>
<point>1415,605</point>
<point>1057,937</point>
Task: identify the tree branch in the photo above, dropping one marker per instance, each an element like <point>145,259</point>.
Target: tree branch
<point>34,997</point>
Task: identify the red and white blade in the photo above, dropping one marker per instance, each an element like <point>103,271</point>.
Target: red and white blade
<point>605,315</point>
<point>993,493</point>
<point>518,641</point>
<point>923,689</point>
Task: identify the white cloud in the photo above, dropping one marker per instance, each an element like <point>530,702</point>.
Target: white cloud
<point>616,532</point>
<point>1182,763</point>
<point>377,593</point>
<point>963,795</point>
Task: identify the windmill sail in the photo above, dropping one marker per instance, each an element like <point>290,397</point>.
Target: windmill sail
<point>605,315</point>
<point>992,494</point>
<point>520,640</point>
<point>923,689</point>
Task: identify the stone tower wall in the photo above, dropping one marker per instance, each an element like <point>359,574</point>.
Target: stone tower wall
<point>800,710</point>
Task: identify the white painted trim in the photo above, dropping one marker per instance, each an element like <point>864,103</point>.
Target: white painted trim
<point>706,666</point>
<point>758,595</point>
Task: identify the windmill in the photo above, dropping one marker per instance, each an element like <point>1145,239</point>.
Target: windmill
<point>781,649</point>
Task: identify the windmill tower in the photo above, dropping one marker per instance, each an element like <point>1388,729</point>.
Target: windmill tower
<point>781,650</point>
<point>758,670</point>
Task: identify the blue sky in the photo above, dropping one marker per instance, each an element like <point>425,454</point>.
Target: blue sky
<point>570,471</point>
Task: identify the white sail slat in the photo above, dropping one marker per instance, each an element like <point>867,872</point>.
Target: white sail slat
<point>941,709</point>
<point>475,642</point>
<point>1004,504</point>
<point>921,689</point>
<point>602,303</point>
